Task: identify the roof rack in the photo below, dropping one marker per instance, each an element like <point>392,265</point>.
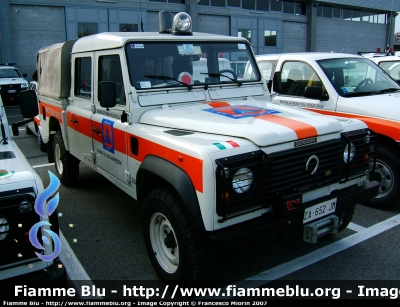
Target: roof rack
<point>376,54</point>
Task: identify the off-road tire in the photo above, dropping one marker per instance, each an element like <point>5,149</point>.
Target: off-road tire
<point>165,224</point>
<point>66,165</point>
<point>388,174</point>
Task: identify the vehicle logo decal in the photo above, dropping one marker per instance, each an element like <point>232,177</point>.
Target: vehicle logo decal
<point>185,77</point>
<point>305,142</point>
<point>240,111</point>
<point>301,104</point>
<point>226,145</point>
<point>108,134</point>
<point>315,158</point>
<point>6,174</point>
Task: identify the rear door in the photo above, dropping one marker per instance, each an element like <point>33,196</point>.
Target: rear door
<point>80,110</point>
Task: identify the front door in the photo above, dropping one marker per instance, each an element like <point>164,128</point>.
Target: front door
<point>108,131</point>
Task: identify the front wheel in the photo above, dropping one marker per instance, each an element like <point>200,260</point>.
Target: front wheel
<point>67,166</point>
<point>387,172</point>
<point>176,249</point>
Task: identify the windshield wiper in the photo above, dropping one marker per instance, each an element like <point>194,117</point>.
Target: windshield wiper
<point>389,90</point>
<point>217,74</point>
<point>166,78</point>
<point>359,94</point>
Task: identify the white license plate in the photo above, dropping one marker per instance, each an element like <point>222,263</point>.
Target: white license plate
<point>319,210</point>
<point>12,91</point>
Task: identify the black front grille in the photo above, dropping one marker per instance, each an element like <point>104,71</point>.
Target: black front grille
<point>17,216</point>
<point>364,143</point>
<point>10,88</point>
<point>292,170</point>
<point>285,175</point>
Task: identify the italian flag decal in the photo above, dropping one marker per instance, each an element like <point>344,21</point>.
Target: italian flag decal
<point>226,145</point>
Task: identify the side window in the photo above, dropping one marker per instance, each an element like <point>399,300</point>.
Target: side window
<point>110,70</point>
<point>83,77</point>
<point>296,76</point>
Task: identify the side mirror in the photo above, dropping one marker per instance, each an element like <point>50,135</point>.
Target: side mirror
<point>28,102</point>
<point>277,82</point>
<point>313,92</point>
<point>107,97</point>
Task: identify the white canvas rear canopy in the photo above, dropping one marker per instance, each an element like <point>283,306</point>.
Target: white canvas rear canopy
<point>54,70</point>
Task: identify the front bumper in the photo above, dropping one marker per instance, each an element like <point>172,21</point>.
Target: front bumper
<point>54,276</point>
<point>277,227</point>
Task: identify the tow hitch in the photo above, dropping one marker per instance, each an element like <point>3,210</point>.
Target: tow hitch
<point>314,230</point>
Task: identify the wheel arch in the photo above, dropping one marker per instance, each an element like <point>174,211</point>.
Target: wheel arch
<point>384,139</point>
<point>155,171</point>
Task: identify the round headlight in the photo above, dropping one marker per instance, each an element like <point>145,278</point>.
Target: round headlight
<point>347,155</point>
<point>3,228</point>
<point>242,180</point>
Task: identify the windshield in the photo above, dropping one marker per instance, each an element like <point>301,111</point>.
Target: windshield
<point>188,64</point>
<point>9,73</point>
<point>357,77</point>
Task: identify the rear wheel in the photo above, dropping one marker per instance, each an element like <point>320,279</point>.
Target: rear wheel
<point>387,172</point>
<point>176,249</point>
<point>67,166</point>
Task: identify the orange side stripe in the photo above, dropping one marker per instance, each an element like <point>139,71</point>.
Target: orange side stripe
<point>82,124</point>
<point>191,165</point>
<point>50,111</point>
<point>386,127</point>
<point>218,104</point>
<point>301,129</point>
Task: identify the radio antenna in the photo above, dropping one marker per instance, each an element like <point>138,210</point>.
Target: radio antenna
<point>141,21</point>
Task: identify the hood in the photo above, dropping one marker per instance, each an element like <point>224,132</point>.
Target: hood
<point>385,106</point>
<point>7,81</point>
<point>255,120</point>
<point>13,166</point>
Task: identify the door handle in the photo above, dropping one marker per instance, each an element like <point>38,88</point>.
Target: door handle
<point>73,120</point>
<point>95,130</point>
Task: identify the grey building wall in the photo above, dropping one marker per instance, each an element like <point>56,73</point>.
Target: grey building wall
<point>27,25</point>
<point>383,5</point>
<point>32,28</point>
<point>348,36</point>
<point>294,36</point>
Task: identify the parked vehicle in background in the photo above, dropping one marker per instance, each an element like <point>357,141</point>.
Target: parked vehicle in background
<point>344,85</point>
<point>21,262</point>
<point>389,62</point>
<point>12,82</point>
<point>205,153</point>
